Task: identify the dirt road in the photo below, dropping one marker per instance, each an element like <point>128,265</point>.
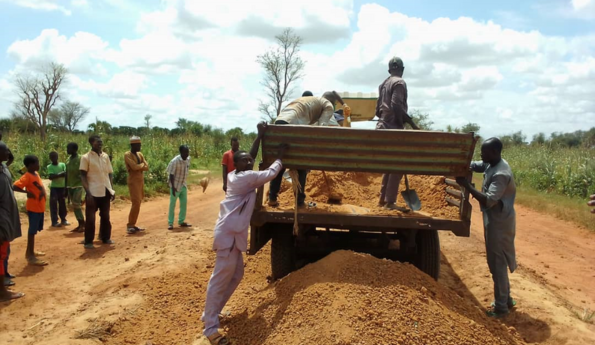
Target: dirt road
<point>151,286</point>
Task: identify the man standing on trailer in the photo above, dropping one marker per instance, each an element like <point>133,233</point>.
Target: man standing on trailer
<point>391,110</point>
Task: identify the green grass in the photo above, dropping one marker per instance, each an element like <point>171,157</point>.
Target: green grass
<point>552,180</point>
<point>205,152</point>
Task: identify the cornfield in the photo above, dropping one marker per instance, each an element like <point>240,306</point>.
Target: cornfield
<point>205,152</point>
<point>565,171</point>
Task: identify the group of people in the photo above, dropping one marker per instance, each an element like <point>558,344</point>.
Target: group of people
<point>92,173</point>
<point>83,180</point>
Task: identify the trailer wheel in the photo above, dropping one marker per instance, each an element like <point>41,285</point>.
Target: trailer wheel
<point>427,256</point>
<point>283,253</point>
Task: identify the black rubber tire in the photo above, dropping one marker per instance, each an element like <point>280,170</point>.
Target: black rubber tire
<point>283,253</point>
<point>427,256</point>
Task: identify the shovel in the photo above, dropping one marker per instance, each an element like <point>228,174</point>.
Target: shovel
<point>411,197</point>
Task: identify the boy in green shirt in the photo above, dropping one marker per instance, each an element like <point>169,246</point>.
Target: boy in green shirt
<point>57,172</point>
<point>74,185</point>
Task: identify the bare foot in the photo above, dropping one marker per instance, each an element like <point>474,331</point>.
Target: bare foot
<point>9,295</point>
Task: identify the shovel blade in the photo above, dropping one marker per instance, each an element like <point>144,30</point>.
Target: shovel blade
<point>411,199</point>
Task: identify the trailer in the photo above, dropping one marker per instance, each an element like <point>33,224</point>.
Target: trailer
<point>412,238</point>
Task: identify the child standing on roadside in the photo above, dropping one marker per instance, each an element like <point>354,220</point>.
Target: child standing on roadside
<point>31,184</point>
<point>57,172</point>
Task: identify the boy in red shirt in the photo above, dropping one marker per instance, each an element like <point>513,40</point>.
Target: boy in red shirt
<point>227,162</point>
<point>31,184</point>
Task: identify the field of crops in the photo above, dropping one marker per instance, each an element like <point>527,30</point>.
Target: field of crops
<point>205,152</point>
<point>564,171</point>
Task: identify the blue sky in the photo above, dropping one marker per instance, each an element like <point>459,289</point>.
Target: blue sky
<point>507,65</point>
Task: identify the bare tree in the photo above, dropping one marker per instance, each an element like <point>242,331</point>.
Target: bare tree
<point>282,66</point>
<point>68,116</point>
<point>37,95</point>
<point>148,118</point>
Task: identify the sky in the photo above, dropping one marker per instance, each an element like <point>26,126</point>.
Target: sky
<point>507,65</point>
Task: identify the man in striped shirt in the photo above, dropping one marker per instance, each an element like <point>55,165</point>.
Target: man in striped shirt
<point>178,172</point>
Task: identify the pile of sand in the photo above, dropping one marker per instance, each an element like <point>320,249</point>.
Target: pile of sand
<point>349,298</point>
<point>363,191</point>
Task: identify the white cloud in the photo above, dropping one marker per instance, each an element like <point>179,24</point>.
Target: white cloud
<point>79,53</point>
<point>125,85</point>
<point>43,5</point>
<point>581,9</point>
<point>198,62</point>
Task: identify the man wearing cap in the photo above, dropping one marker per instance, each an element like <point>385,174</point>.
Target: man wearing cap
<point>391,110</point>
<point>136,165</point>
<point>308,110</point>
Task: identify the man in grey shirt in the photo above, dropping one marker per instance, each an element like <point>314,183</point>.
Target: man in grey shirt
<point>391,110</point>
<point>499,220</point>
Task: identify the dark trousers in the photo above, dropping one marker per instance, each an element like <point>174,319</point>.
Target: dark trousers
<point>57,204</point>
<point>105,227</point>
<point>5,263</point>
<point>276,186</point>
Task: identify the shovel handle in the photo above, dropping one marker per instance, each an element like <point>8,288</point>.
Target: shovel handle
<point>406,183</point>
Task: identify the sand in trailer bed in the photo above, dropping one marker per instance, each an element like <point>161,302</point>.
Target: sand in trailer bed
<point>361,192</point>
<point>351,298</point>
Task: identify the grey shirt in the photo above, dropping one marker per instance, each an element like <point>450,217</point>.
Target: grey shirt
<point>499,217</point>
<point>391,107</point>
<point>10,223</point>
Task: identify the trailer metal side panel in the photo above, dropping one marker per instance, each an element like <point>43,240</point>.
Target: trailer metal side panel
<point>385,151</point>
<point>364,150</point>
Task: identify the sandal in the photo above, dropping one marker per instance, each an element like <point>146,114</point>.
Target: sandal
<point>185,225</point>
<point>14,295</point>
<point>170,227</point>
<point>39,253</point>
<point>218,339</point>
<point>497,314</point>
<point>37,262</point>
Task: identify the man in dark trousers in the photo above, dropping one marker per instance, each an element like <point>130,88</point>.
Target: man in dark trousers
<point>96,177</point>
<point>496,199</point>
<point>391,110</point>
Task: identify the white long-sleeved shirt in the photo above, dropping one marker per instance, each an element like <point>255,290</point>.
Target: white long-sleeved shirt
<point>236,209</point>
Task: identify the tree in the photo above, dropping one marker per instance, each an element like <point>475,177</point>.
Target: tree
<point>235,132</point>
<point>100,127</point>
<point>538,139</point>
<point>470,127</point>
<point>421,120</point>
<point>514,139</point>
<point>37,95</point>
<point>68,116</point>
<point>282,66</point>
<point>148,118</point>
